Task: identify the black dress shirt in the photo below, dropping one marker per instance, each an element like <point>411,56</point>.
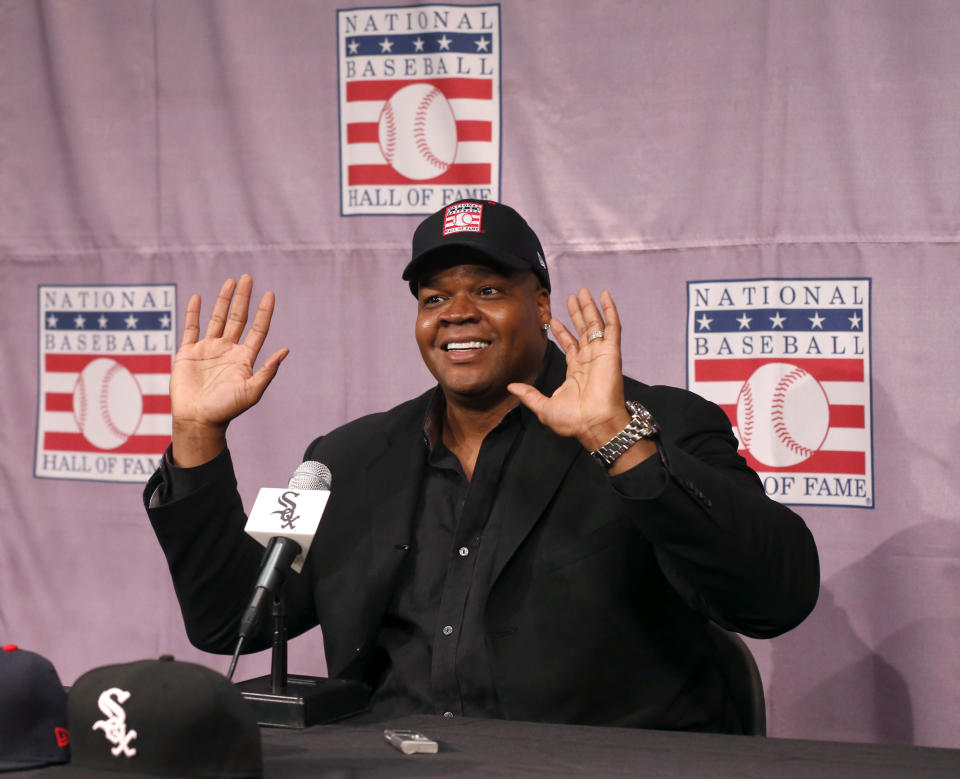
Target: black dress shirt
<point>432,643</point>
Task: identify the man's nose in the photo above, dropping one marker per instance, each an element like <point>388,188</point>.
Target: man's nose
<point>460,309</point>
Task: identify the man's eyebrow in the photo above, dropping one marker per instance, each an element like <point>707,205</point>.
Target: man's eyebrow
<point>477,273</point>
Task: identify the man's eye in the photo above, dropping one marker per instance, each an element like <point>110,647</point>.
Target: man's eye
<point>429,300</point>
<point>488,290</point>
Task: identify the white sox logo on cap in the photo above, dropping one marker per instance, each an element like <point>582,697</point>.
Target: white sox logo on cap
<point>114,727</point>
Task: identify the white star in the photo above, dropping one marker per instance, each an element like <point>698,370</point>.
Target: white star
<point>51,321</point>
<point>854,322</point>
<point>131,322</point>
<point>418,44</point>
<point>777,321</point>
<point>102,321</point>
<point>386,46</point>
<point>353,47</point>
<point>79,321</point>
<point>164,321</point>
<point>704,322</point>
<point>744,321</point>
<point>482,44</point>
<point>444,43</point>
<point>816,321</point>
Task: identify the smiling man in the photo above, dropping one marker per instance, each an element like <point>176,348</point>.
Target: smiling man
<point>477,329</point>
<point>537,537</point>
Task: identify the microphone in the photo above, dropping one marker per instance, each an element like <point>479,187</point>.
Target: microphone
<point>285,522</point>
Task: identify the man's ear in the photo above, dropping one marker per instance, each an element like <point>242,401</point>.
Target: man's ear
<point>543,304</point>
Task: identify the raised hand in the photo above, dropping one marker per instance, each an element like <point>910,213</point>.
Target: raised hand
<point>213,379</point>
<point>589,405</point>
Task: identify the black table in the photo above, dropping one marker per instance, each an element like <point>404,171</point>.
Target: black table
<point>486,748</point>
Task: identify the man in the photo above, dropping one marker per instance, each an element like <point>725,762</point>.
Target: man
<point>537,537</point>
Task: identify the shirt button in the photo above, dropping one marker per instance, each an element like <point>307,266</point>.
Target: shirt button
<point>448,714</point>
<point>447,630</point>
<point>464,551</point>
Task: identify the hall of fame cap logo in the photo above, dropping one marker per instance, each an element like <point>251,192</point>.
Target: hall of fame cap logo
<point>419,100</point>
<point>788,360</point>
<point>105,357</point>
<point>463,218</point>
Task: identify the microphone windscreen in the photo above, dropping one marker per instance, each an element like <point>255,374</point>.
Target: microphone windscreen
<point>311,475</point>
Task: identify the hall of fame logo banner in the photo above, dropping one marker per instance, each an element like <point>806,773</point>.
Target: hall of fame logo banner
<point>788,360</point>
<point>103,412</point>
<point>419,107</point>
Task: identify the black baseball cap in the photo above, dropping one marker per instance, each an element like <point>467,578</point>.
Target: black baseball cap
<point>33,711</point>
<point>161,718</point>
<point>493,230</point>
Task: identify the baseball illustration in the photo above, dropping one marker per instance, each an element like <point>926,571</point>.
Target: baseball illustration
<point>782,414</point>
<point>107,403</point>
<point>418,132</point>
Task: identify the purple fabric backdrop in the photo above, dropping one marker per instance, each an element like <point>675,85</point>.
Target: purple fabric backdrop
<point>650,144</point>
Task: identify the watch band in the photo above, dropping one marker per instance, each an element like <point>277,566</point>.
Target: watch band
<point>642,425</point>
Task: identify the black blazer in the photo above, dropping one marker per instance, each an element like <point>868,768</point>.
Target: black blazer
<point>599,602</point>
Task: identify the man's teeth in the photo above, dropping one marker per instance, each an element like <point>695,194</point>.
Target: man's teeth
<point>466,345</point>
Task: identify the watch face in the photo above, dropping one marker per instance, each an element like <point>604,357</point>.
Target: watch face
<point>649,426</point>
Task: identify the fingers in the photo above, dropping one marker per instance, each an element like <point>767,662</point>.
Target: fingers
<point>261,323</point>
<point>219,316</point>
<point>229,316</point>
<point>238,309</point>
<point>576,314</point>
<point>588,321</point>
<point>611,330</point>
<point>585,314</point>
<point>565,338</point>
<point>531,397</point>
<point>191,321</point>
<point>262,378</point>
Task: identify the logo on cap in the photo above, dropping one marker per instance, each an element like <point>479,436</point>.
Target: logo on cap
<point>462,218</point>
<point>115,726</point>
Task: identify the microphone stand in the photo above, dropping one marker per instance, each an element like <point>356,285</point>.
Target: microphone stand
<point>284,701</point>
<point>278,659</point>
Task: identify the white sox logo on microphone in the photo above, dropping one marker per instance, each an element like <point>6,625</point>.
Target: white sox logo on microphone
<point>114,727</point>
<point>299,512</point>
<point>289,506</point>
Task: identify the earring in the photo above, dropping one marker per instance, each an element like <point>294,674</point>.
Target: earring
<point>546,326</point>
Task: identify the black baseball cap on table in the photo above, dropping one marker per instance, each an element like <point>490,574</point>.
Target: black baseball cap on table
<point>494,230</point>
<point>159,718</point>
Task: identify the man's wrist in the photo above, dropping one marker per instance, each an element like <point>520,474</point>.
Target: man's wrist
<point>195,444</point>
<point>600,433</point>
